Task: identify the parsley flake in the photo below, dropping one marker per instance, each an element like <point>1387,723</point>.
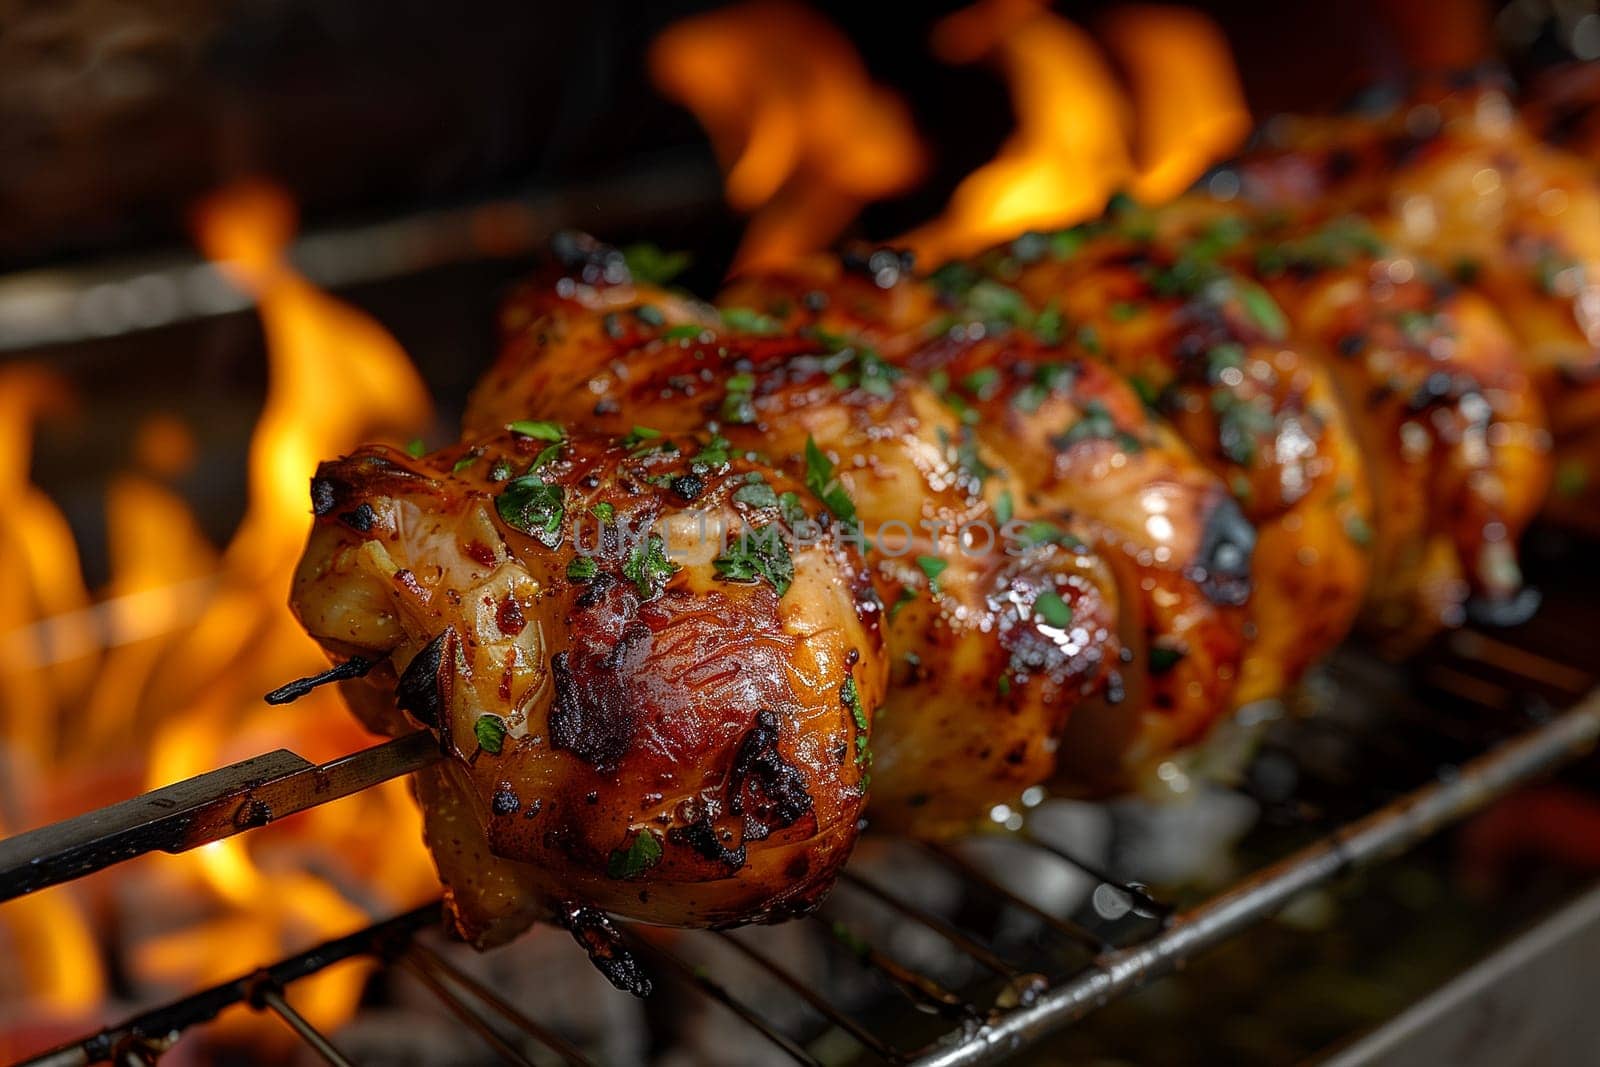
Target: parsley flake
<point>643,853</point>
<point>531,505</point>
<point>490,731</point>
<point>539,429</point>
<point>759,553</point>
<point>648,567</point>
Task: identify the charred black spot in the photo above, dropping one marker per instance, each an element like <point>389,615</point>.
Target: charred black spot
<point>702,836</point>
<point>1351,344</point>
<point>362,519</point>
<point>688,487</point>
<point>1226,547</point>
<point>423,690</point>
<point>591,929</point>
<point>324,496</point>
<point>595,712</point>
<point>505,800</point>
<point>763,785</point>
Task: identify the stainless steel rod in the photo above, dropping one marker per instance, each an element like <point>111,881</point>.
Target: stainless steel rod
<point>199,810</point>
<point>1386,832</point>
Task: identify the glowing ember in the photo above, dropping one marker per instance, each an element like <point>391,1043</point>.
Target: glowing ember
<point>160,677</point>
<point>803,135</point>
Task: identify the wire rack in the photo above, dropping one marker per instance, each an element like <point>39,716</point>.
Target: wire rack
<point>1479,716</point>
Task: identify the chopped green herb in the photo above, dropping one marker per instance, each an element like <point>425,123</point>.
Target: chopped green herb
<point>466,461</point>
<point>1096,424</point>
<point>738,406</point>
<point>1048,324</point>
<point>1223,357</point>
<point>546,454</point>
<point>1358,530</point>
<point>1004,507</point>
<point>642,441</point>
<point>713,454</point>
<point>981,383</point>
<point>650,315</point>
<point>793,512</point>
<point>932,566</point>
<point>820,480</point>
<point>756,493</point>
<point>748,320</point>
<point>1053,610</point>
<point>603,511</point>
<point>1262,309</point>
<point>850,697</point>
<point>1089,339</point>
<point>642,853</point>
<point>490,731</point>
<point>1124,310</point>
<point>907,595</point>
<point>684,331</point>
<point>540,429</point>
<point>534,507</point>
<point>1043,532</point>
<point>582,568</point>
<point>759,553</point>
<point>649,263</point>
<point>415,448</point>
<point>648,567</point>
<point>964,454</point>
<point>501,470</point>
<point>1240,424</point>
<point>991,302</point>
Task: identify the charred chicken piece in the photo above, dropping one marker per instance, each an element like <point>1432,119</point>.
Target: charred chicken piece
<point>1060,437</point>
<point>631,725</point>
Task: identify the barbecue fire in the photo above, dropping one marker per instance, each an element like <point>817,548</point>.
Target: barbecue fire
<point>803,135</point>
<point>159,676</point>
<point>1080,136</point>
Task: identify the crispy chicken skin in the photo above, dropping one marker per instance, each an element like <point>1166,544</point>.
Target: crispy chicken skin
<point>629,724</point>
<point>1296,611</point>
<point>1449,429</point>
<point>993,645</point>
<point>964,434</point>
<point>1454,176</point>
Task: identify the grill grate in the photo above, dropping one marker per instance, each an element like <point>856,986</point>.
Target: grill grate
<point>1474,687</point>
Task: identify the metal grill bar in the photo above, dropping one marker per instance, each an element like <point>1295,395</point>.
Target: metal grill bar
<point>154,1028</point>
<point>818,1003</point>
<point>1386,832</point>
<point>983,1038</point>
<point>302,1028</point>
<point>979,952</point>
<point>716,991</point>
<point>424,957</point>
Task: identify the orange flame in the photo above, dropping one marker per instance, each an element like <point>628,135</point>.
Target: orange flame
<point>803,136</point>
<point>1080,137</point>
<point>160,676</point>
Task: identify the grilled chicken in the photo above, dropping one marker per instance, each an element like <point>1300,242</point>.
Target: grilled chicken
<point>1456,178</point>
<point>1249,418</point>
<point>1376,372</point>
<point>631,725</point>
<point>1000,622</point>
